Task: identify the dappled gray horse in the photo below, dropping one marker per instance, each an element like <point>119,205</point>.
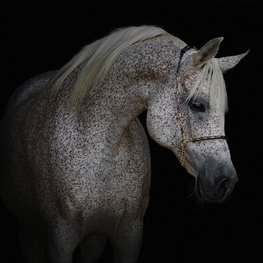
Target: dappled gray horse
<point>75,163</point>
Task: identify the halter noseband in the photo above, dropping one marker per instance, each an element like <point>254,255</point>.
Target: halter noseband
<point>185,141</point>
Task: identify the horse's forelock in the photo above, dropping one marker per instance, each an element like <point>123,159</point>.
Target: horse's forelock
<point>211,81</point>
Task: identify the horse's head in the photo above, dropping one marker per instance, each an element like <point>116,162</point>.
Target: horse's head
<point>186,114</point>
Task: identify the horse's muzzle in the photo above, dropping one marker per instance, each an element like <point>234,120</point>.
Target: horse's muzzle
<point>214,184</point>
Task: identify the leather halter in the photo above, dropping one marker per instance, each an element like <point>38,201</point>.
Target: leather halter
<point>185,141</point>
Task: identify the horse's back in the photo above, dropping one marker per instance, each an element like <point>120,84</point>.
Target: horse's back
<point>27,90</point>
<point>12,133</point>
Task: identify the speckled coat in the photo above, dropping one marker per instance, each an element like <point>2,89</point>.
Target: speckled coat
<point>82,176</point>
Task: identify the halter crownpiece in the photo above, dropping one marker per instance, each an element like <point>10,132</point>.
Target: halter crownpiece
<point>182,156</point>
<point>182,52</point>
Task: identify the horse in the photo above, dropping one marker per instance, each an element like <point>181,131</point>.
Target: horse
<point>75,159</point>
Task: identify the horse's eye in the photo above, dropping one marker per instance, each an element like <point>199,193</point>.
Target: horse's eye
<point>197,107</point>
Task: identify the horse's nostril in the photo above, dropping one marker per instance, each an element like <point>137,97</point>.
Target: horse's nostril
<point>223,186</point>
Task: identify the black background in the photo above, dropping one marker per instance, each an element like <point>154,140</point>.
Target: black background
<point>41,37</point>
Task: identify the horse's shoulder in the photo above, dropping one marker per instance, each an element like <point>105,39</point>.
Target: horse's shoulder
<point>136,137</point>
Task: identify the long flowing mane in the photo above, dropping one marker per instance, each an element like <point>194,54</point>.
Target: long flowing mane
<point>97,58</point>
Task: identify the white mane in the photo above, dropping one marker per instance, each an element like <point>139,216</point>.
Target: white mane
<point>97,58</point>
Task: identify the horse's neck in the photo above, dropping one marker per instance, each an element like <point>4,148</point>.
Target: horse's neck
<point>109,108</point>
<point>110,112</point>
<point>106,112</point>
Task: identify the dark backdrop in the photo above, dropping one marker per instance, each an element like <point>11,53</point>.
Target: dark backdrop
<point>41,38</point>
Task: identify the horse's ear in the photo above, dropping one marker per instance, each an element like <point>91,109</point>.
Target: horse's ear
<point>226,63</point>
<point>208,51</point>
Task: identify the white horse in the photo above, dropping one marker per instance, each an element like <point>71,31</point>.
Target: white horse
<point>75,163</point>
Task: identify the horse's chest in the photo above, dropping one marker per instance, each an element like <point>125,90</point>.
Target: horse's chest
<point>94,178</point>
<point>101,187</point>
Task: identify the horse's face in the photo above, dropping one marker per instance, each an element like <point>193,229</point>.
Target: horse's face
<point>188,118</point>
